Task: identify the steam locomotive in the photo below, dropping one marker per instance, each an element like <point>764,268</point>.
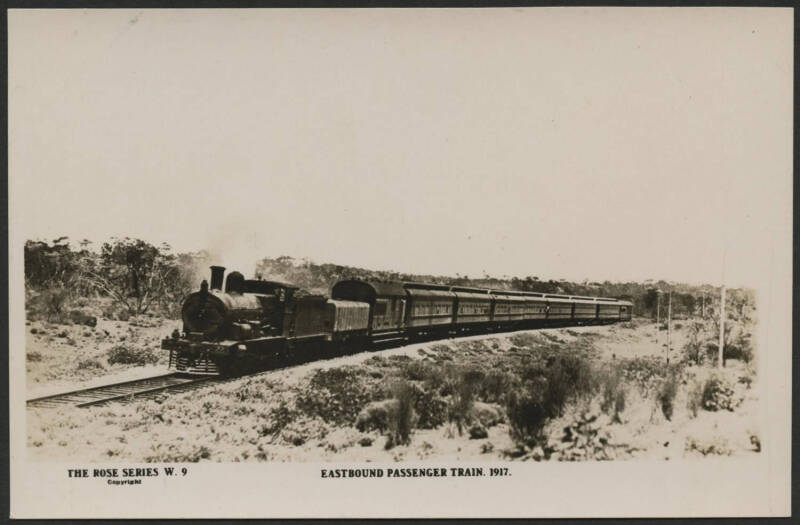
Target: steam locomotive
<point>255,323</point>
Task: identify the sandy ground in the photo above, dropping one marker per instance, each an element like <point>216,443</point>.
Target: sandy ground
<point>67,357</point>
<point>236,421</point>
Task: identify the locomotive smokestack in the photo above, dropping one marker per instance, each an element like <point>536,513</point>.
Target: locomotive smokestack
<point>217,273</point>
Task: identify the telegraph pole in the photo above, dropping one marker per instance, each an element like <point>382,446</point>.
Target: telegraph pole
<point>721,328</point>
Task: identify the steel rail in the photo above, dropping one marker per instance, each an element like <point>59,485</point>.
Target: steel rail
<point>121,391</point>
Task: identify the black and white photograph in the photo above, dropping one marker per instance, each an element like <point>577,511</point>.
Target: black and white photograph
<point>512,262</point>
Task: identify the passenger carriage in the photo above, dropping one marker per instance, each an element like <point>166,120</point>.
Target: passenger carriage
<point>473,308</point>
<point>585,310</point>
<point>430,309</point>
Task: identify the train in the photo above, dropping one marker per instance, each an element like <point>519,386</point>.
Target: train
<point>254,324</point>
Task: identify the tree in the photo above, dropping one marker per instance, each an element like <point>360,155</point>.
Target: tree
<point>696,337</point>
<point>688,302</point>
<point>136,274</point>
<point>651,301</point>
<point>50,265</point>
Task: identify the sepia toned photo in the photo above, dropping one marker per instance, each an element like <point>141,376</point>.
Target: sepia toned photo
<point>417,255</point>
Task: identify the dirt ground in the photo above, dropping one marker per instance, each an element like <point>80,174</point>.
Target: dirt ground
<point>294,415</point>
<point>61,357</point>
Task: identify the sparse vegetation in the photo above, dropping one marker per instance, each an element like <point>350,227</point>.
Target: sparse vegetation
<point>544,391</point>
<point>614,392</point>
<point>693,349</point>
<point>430,407</point>
<point>170,455</point>
<point>583,439</point>
<point>527,412</point>
<point>402,418</point>
<point>517,393</point>
<point>462,384</point>
<point>666,394</point>
<point>508,393</point>
<point>337,395</point>
<point>375,416</point>
<point>130,355</point>
<point>717,394</point>
<point>89,364</point>
<point>694,399</point>
<point>715,447</point>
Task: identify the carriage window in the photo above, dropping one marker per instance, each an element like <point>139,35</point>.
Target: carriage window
<point>380,308</point>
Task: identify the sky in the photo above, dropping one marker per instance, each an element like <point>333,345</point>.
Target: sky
<point>600,144</point>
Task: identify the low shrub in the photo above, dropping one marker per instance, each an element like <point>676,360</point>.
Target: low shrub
<point>487,414</point>
<point>714,447</point>
<point>495,386</point>
<point>416,370</point>
<point>251,391</point>
<point>740,348</point>
<point>129,355</point>
<point>711,352</point>
<point>583,438</point>
<point>569,376</point>
<point>439,378</point>
<point>336,395</point>
<point>430,407</point>
<point>465,383</point>
<point>302,430</point>
<point>694,400</point>
<point>376,360</point>
<point>527,412</point>
<point>375,416</point>
<point>80,302</point>
<point>33,357</point>
<point>746,379</point>
<point>478,431</point>
<point>279,418</point>
<point>82,318</point>
<point>544,392</point>
<point>529,340</point>
<point>648,373</point>
<point>613,392</point>
<point>666,395</point>
<point>693,349</point>
<point>89,364</point>
<point>717,395</point>
<point>49,305</point>
<point>402,419</point>
<point>194,455</point>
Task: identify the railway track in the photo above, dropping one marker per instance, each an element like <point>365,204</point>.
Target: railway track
<point>121,392</point>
